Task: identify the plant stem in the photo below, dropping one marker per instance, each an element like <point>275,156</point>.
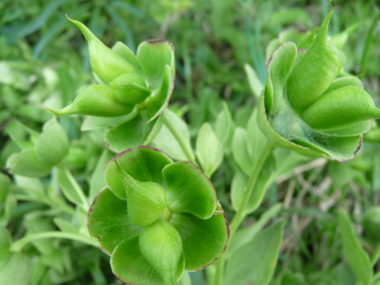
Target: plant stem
<point>186,151</point>
<point>240,214</point>
<point>19,245</point>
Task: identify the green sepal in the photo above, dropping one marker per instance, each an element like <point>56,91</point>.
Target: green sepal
<point>315,71</point>
<point>161,245</point>
<point>129,265</point>
<point>96,100</point>
<point>203,240</point>
<point>52,144</point>
<point>344,82</point>
<point>26,163</point>
<point>133,133</point>
<point>105,63</point>
<point>108,221</point>
<point>154,55</point>
<point>302,38</point>
<point>146,200</point>
<point>159,100</point>
<point>188,190</point>
<point>123,50</point>
<point>340,108</point>
<point>129,88</point>
<point>353,130</point>
<point>142,163</point>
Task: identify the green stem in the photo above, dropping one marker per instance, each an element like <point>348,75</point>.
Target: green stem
<point>19,245</point>
<point>240,214</point>
<point>185,149</point>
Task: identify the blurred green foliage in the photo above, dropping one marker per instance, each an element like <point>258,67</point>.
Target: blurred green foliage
<point>44,62</point>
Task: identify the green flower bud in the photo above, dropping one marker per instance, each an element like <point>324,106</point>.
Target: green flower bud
<point>143,83</point>
<point>307,108</point>
<point>130,88</point>
<point>105,63</point>
<point>96,100</point>
<point>156,218</point>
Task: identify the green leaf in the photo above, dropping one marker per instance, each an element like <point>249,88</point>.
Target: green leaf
<point>224,129</point>
<point>203,240</point>
<point>52,144</point>
<point>256,140</point>
<point>240,150</point>
<point>159,99</point>
<point>166,140</point>
<point>340,108</point>
<point>208,150</point>
<point>371,223</point>
<point>142,163</point>
<point>10,207</point>
<point>66,226</point>
<point>26,163</point>
<point>185,279</point>
<point>129,88</point>
<point>154,55</point>
<point>70,187</point>
<point>108,221</point>
<point>188,190</point>
<point>96,100</point>
<point>93,123</point>
<point>105,63</point>
<point>20,134</point>
<point>5,183</point>
<point>278,72</point>
<point>245,235</point>
<point>315,71</point>
<point>353,252</point>
<point>146,200</point>
<point>254,262</point>
<point>133,133</point>
<point>97,181</point>
<point>15,268</point>
<point>240,181</point>
<point>129,265</point>
<point>161,245</point>
<point>376,279</point>
<point>253,80</point>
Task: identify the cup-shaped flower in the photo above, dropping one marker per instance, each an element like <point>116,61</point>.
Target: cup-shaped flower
<point>305,106</point>
<point>140,85</point>
<point>156,218</point>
